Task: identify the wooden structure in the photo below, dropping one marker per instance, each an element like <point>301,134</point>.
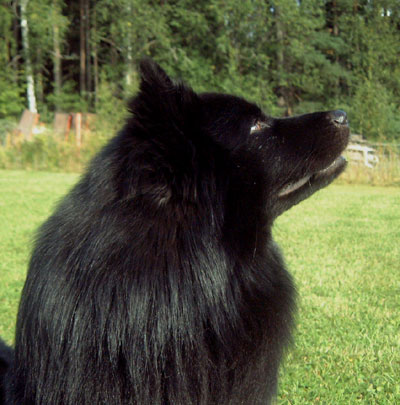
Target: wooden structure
<point>62,124</point>
<point>79,123</point>
<point>27,123</point>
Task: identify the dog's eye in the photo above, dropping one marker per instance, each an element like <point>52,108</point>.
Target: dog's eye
<point>258,126</point>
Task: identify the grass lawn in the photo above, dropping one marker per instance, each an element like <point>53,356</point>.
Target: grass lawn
<point>342,246</point>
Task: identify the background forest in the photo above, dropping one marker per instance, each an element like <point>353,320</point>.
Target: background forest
<point>289,56</point>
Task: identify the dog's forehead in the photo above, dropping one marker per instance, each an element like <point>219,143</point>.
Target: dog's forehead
<point>223,103</point>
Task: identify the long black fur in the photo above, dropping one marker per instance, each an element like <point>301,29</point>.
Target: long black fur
<point>6,359</point>
<point>156,280</point>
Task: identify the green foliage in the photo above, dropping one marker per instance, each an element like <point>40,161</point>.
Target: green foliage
<point>7,40</point>
<point>11,102</point>
<point>374,112</point>
<point>288,56</point>
<point>111,110</point>
<point>69,99</point>
<point>6,127</point>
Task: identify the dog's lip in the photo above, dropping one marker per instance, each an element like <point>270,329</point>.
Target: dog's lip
<point>336,165</point>
<point>289,188</point>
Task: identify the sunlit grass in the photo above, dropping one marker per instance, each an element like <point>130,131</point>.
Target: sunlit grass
<point>26,199</point>
<point>342,246</point>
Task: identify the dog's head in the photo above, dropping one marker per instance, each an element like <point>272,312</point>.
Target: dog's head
<point>291,157</point>
<point>298,155</point>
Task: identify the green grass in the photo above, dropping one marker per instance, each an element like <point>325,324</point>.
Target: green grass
<point>26,199</point>
<point>342,247</point>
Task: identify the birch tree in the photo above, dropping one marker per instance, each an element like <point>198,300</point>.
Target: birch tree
<point>28,64</point>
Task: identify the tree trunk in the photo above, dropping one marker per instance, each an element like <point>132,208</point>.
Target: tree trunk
<point>95,59</point>
<point>89,80</point>
<point>279,52</point>
<point>335,32</point>
<point>39,86</point>
<point>15,56</point>
<point>284,99</point>
<point>56,57</point>
<point>28,65</point>
<point>82,36</point>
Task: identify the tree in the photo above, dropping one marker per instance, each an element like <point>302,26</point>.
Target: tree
<point>289,56</point>
<point>56,54</point>
<point>83,20</point>
<point>28,65</point>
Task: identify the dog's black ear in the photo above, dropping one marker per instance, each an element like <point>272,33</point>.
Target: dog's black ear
<point>164,107</point>
<point>153,76</point>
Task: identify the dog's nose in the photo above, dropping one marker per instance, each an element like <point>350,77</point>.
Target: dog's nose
<point>339,117</point>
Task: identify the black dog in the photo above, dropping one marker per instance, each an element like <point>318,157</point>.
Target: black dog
<point>156,280</point>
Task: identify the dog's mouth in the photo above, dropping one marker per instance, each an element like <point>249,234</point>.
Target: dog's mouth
<point>321,162</point>
<point>324,176</point>
<point>296,191</point>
